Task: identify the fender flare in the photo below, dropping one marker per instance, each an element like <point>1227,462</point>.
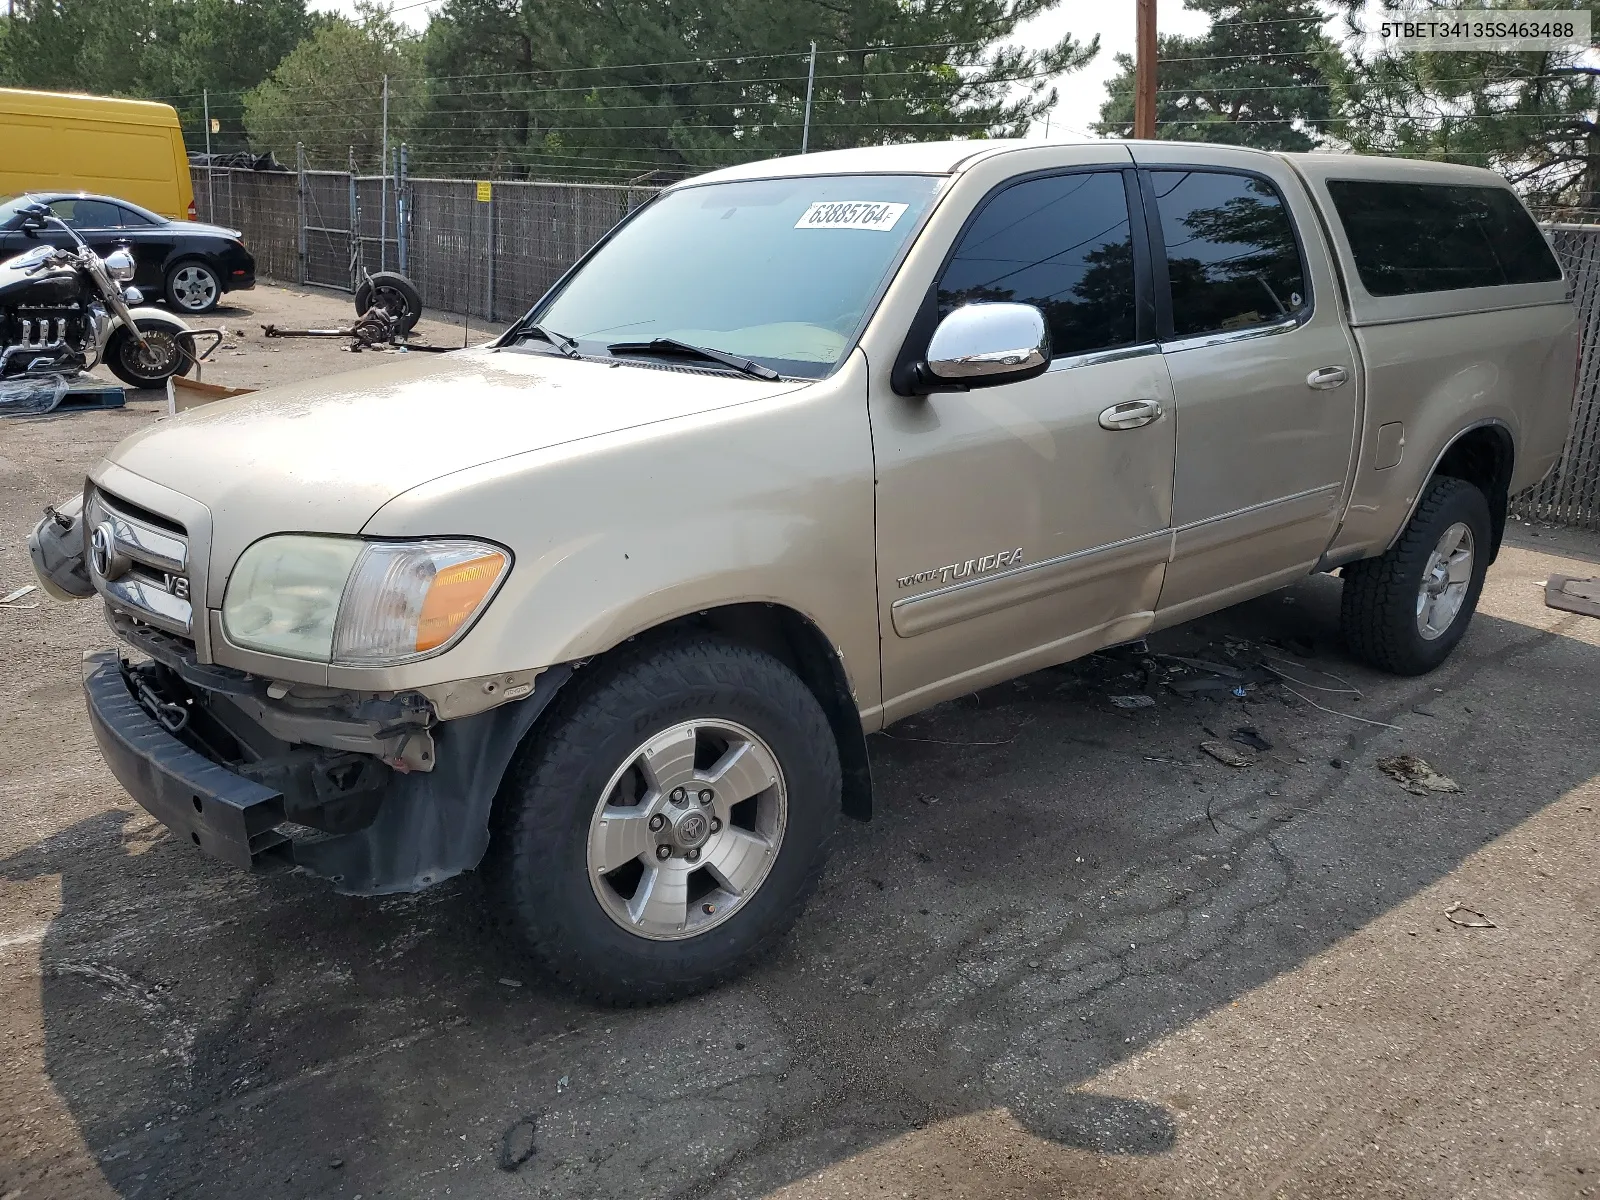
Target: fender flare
<point>148,312</point>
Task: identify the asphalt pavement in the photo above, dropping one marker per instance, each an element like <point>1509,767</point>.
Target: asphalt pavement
<point>1073,955</point>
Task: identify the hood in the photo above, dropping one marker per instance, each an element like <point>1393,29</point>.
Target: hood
<point>323,456</point>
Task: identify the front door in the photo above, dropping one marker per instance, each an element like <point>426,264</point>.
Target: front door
<point>1027,523</point>
<point>1263,373</point>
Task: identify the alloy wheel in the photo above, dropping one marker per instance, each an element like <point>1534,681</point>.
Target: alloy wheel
<point>194,288</point>
<point>1445,581</point>
<point>687,829</point>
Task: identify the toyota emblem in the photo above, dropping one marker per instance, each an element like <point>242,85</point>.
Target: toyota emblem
<point>103,556</point>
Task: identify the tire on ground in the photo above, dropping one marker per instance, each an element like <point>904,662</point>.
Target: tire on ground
<point>1380,602</point>
<point>127,363</point>
<point>397,295</point>
<point>538,861</point>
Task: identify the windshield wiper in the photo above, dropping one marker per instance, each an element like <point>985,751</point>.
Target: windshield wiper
<point>672,346</point>
<point>560,341</point>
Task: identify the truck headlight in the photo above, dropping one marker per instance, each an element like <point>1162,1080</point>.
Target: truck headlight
<point>358,603</point>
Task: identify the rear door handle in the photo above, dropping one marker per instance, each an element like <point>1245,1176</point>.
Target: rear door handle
<point>1130,414</point>
<point>1324,378</point>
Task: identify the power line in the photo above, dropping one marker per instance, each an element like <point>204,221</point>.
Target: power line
<point>800,55</point>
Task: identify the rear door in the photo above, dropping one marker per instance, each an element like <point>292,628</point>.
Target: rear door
<point>1263,371</point>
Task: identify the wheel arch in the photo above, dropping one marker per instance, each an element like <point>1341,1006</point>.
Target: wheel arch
<point>799,643</point>
<point>1484,455</point>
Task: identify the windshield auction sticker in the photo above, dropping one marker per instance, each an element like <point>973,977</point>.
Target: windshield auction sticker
<point>851,214</point>
<point>1437,30</point>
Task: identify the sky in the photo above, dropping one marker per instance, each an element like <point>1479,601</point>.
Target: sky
<point>1082,92</point>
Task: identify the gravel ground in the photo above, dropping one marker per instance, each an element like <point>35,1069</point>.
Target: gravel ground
<point>1072,956</point>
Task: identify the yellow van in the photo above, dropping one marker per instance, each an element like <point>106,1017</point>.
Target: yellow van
<point>131,149</point>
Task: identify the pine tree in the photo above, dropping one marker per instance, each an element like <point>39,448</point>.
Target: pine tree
<point>1528,114</point>
<point>557,87</point>
<point>1257,78</point>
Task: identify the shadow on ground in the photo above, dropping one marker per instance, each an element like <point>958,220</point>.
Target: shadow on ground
<point>1051,884</point>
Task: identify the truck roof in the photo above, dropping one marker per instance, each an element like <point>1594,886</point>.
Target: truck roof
<point>907,158</point>
<point>945,158</point>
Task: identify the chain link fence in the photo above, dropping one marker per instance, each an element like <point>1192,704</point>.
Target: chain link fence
<point>494,257</point>
<point>1570,494</point>
<point>485,256</point>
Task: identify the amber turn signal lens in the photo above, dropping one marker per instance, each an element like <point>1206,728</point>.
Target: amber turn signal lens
<point>453,596</point>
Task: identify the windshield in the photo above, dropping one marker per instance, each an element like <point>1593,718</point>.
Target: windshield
<point>780,271</point>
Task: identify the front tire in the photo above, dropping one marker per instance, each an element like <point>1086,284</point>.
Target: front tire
<point>1405,610</point>
<point>668,822</point>
<point>148,366</point>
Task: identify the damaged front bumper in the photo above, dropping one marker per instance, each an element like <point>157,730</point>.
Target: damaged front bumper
<point>210,755</point>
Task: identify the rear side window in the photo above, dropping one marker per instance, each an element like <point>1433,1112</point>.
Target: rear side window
<point>1427,237</point>
<point>87,214</point>
<point>1061,243</point>
<point>1232,257</point>
<point>134,219</point>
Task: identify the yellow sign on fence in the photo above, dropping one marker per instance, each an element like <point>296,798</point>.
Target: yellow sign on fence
<point>484,194</point>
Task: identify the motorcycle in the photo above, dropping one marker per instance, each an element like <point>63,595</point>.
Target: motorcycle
<point>66,310</point>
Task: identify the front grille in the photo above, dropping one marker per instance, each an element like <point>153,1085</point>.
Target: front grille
<point>139,561</point>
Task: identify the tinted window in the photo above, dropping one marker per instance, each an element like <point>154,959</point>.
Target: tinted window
<point>132,218</point>
<point>1231,251</point>
<point>87,214</point>
<point>1426,237</point>
<point>1061,243</point>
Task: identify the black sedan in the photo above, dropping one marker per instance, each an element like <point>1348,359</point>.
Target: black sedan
<point>188,264</point>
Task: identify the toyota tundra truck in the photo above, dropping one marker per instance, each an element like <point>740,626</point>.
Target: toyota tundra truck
<point>607,607</point>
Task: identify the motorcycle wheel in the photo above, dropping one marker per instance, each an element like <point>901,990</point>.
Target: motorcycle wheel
<point>147,366</point>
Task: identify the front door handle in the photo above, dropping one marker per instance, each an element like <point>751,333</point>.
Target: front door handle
<point>1130,414</point>
<point>1324,378</point>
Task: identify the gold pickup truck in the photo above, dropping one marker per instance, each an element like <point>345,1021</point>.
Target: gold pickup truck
<point>607,607</point>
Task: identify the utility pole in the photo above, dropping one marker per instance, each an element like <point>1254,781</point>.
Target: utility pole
<point>811,79</point>
<point>383,185</point>
<point>1144,98</point>
<point>211,179</point>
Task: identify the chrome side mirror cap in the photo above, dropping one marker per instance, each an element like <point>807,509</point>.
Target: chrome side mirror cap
<point>119,265</point>
<point>132,295</point>
<point>983,344</point>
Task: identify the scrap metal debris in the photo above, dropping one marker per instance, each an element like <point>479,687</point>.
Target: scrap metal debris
<point>1415,775</point>
<point>1134,701</point>
<point>1227,755</point>
<point>1467,918</point>
<point>10,598</point>
<point>1573,595</point>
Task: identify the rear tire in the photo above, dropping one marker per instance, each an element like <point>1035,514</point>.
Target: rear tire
<point>594,844</point>
<point>1405,610</point>
<point>194,287</point>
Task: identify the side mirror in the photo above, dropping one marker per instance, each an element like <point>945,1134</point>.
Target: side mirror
<point>34,218</point>
<point>979,345</point>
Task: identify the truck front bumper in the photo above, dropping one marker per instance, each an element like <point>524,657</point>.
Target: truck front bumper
<point>426,826</point>
<point>228,816</point>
